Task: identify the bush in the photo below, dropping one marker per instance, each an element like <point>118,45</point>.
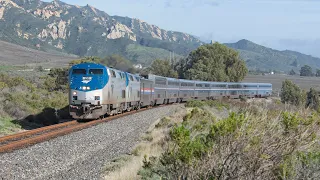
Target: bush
<point>259,145</point>
<point>211,103</point>
<point>313,99</point>
<point>20,98</point>
<point>163,122</point>
<point>292,94</point>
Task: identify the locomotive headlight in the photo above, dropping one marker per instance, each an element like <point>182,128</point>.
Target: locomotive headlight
<point>86,88</point>
<point>74,93</point>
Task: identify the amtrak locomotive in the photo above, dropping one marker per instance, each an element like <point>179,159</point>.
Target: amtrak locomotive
<point>97,91</point>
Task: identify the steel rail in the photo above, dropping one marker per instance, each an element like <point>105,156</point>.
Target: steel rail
<point>56,131</point>
<point>35,131</point>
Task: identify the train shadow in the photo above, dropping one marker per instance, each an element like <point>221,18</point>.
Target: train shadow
<point>47,117</point>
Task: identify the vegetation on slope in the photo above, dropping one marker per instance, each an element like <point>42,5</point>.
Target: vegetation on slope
<point>86,31</point>
<point>146,55</point>
<point>39,101</point>
<point>255,141</point>
<point>248,139</point>
<point>267,59</point>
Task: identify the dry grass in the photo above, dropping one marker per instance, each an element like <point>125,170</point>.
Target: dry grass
<point>127,167</point>
<point>12,54</point>
<point>259,140</point>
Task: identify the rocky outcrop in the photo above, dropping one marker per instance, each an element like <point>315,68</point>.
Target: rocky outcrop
<point>1,12</point>
<point>46,14</point>
<point>84,29</point>
<point>8,3</point>
<point>55,31</point>
<point>138,26</point>
<point>119,30</point>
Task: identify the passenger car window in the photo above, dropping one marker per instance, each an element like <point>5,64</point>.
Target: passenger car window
<point>78,71</point>
<point>96,71</point>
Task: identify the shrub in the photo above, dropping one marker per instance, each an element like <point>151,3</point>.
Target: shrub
<point>291,93</point>
<point>211,103</point>
<point>313,99</point>
<point>195,103</point>
<point>21,99</point>
<point>163,122</point>
<point>248,144</point>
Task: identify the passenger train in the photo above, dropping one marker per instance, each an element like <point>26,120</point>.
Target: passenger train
<point>97,91</point>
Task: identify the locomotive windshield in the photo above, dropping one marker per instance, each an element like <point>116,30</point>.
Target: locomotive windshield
<point>78,71</point>
<point>96,71</point>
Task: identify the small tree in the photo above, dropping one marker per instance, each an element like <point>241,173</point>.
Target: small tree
<point>306,71</point>
<point>291,93</point>
<point>213,62</point>
<point>292,72</point>
<point>57,79</point>
<point>312,99</point>
<point>318,72</point>
<point>162,68</point>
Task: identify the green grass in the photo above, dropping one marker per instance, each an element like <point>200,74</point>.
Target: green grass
<point>11,68</point>
<point>7,126</point>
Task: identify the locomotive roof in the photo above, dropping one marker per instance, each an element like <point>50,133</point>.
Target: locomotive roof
<point>87,64</point>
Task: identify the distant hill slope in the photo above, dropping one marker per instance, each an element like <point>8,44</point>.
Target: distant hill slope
<point>257,56</point>
<point>12,54</point>
<point>85,31</point>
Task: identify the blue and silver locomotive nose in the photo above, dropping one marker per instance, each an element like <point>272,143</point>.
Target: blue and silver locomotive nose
<point>86,83</point>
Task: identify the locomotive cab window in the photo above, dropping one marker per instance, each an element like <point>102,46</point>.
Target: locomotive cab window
<point>131,78</point>
<point>78,71</point>
<point>96,71</point>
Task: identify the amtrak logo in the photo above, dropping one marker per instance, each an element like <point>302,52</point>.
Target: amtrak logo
<point>86,80</point>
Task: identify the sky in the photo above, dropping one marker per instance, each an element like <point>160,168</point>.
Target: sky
<point>279,24</point>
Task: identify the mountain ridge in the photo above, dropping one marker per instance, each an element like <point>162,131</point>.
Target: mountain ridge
<point>84,30</point>
<point>61,28</point>
<point>265,58</point>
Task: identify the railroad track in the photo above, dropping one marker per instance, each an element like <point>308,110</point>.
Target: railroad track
<point>31,137</point>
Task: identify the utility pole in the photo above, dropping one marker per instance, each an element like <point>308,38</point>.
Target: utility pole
<point>173,57</point>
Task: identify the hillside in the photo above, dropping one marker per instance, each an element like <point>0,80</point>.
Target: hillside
<point>12,54</point>
<point>257,56</point>
<point>86,31</point>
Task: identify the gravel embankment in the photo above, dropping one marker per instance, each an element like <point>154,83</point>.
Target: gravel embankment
<point>80,155</point>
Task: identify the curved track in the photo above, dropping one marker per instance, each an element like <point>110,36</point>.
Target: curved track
<point>28,138</point>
